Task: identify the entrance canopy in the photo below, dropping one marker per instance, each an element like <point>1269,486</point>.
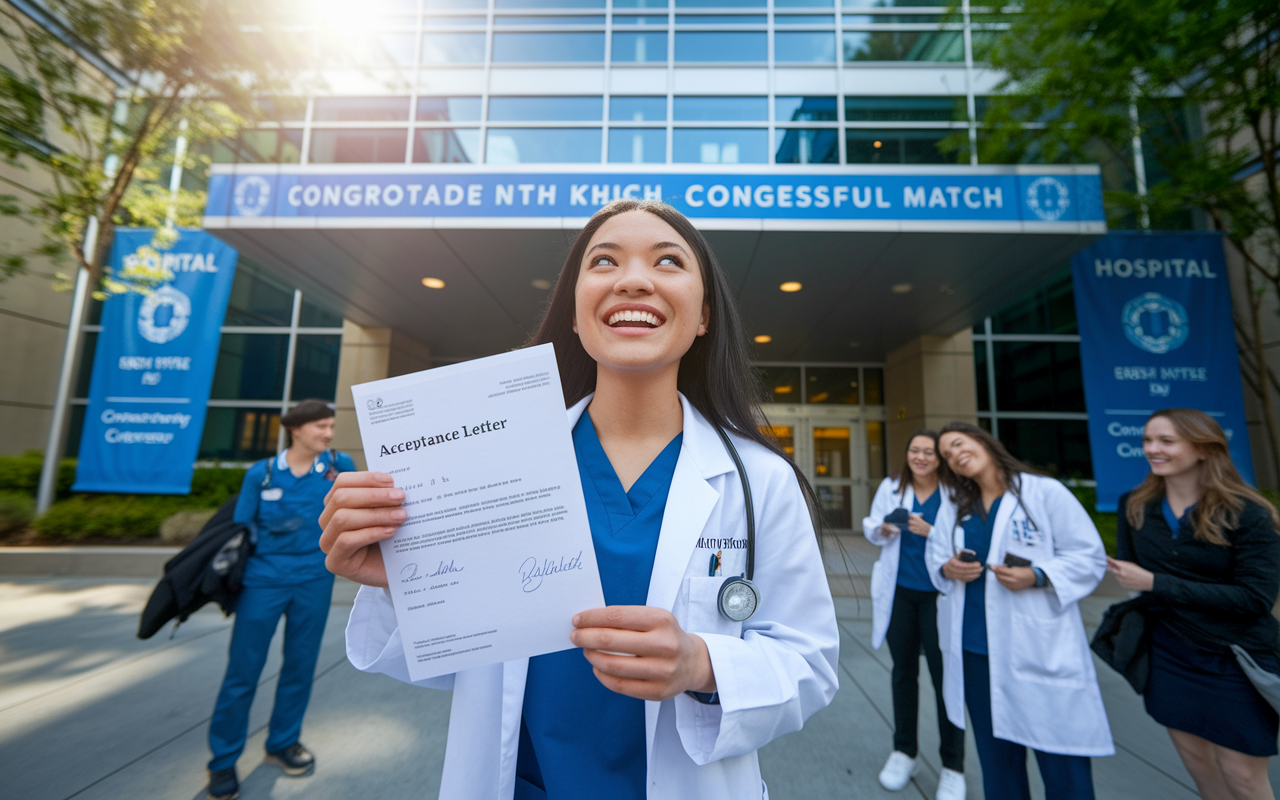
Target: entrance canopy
<point>883,254</point>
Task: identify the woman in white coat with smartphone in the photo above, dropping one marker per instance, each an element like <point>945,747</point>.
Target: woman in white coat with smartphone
<point>905,611</point>
<point>1012,561</point>
<point>661,694</point>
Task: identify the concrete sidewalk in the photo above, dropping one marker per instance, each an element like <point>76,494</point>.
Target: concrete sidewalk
<point>89,711</point>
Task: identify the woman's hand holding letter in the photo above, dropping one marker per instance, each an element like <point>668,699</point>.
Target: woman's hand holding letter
<point>361,510</point>
<point>662,660</point>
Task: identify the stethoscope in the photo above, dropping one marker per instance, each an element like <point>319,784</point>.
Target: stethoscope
<point>739,597</point>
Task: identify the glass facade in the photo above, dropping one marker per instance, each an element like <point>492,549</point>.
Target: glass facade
<point>1030,384</point>
<point>442,45</point>
<point>278,346</point>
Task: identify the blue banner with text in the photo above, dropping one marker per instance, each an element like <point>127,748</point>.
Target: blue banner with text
<point>1156,332</point>
<point>958,196</point>
<point>153,366</point>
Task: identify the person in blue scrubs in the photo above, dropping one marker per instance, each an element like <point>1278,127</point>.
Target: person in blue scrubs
<point>979,470</point>
<point>913,628</point>
<point>280,501</point>
<point>640,316</point>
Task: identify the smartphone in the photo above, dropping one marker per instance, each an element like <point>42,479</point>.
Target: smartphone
<point>967,556</point>
<point>1010,560</point>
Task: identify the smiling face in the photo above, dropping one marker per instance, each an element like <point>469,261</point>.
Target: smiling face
<point>1167,451</point>
<point>921,457</point>
<point>639,300</point>
<point>965,455</point>
<point>313,436</point>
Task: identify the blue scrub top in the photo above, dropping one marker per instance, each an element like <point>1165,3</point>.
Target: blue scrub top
<point>912,572</point>
<point>285,518</point>
<point>1176,524</point>
<point>977,537</point>
<point>577,738</point>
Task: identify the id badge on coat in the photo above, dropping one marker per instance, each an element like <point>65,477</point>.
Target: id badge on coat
<point>272,494</point>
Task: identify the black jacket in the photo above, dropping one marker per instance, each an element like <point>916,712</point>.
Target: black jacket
<point>210,568</point>
<point>1209,595</point>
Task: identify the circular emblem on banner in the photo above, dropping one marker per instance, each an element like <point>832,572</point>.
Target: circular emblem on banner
<point>253,195</point>
<point>164,315</point>
<point>1155,323</point>
<point>1048,198</point>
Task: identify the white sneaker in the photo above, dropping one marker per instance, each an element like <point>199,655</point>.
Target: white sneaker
<point>898,771</point>
<point>951,785</point>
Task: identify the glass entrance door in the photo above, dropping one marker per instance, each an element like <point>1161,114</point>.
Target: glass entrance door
<point>830,445</point>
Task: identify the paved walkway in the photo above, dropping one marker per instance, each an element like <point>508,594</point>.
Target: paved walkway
<point>89,711</point>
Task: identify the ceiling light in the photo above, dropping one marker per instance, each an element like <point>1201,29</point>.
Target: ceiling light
<point>877,145</point>
<point>791,286</point>
<point>540,283</point>
<point>782,390</point>
<point>900,288</point>
<point>433,283</point>
<point>763,338</point>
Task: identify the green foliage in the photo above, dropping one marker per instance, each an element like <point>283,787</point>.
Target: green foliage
<point>193,68</point>
<point>16,511</point>
<point>109,516</point>
<point>79,515</point>
<point>1104,521</point>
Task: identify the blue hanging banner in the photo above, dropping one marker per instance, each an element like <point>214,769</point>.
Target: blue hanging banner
<point>1155,332</point>
<point>153,366</point>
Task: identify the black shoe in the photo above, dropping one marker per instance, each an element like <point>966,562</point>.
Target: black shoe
<point>223,784</point>
<point>295,760</point>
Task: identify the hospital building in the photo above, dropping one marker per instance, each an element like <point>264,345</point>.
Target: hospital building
<point>416,213</point>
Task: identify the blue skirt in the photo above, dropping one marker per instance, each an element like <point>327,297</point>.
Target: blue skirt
<point>1206,694</point>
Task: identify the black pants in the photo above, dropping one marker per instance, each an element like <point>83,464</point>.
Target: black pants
<point>913,626</point>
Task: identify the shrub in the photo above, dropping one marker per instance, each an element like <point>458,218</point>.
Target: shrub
<point>16,510</point>
<point>109,516</point>
<point>22,473</point>
<point>1104,521</point>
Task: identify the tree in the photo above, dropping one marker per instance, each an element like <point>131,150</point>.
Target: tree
<point>199,64</point>
<point>1195,84</point>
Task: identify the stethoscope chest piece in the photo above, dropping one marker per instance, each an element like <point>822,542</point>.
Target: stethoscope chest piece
<point>738,599</point>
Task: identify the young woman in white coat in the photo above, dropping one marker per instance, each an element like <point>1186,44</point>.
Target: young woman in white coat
<point>1013,560</point>
<point>661,695</point>
<point>904,605</point>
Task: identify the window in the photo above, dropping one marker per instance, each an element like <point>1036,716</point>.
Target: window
<point>831,385</point>
<point>449,109</point>
<point>640,48</point>
<point>269,147</point>
<point>905,109</point>
<point>546,109</point>
<point>721,146</point>
<point>804,109</point>
<point>638,145</point>
<point>936,46</point>
<point>550,4</point>
<point>1038,376</point>
<point>650,19</point>
<point>873,386</point>
<point>358,146</point>
<point>250,366</point>
<point>806,3</point>
<point>1059,447</point>
<point>638,109</point>
<point>827,20</point>
<point>781,384</point>
<point>722,109</point>
<point>239,434</point>
<point>721,19</point>
<point>543,146</point>
<point>316,316</point>
<point>896,147</point>
<point>375,49</point>
<point>721,3</point>
<point>799,146</point>
<point>1049,309</point>
<point>361,109</point>
<point>804,47</point>
<point>453,48</point>
<point>315,367</point>
<point>258,299</point>
<point>891,3</point>
<point>640,3</point>
<point>446,146</point>
<point>454,22</point>
<point>513,48</point>
<point>547,21</point>
<point>716,46</point>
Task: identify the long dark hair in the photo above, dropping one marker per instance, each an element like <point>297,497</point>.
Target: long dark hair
<point>1224,491</point>
<point>905,476</point>
<point>968,495</point>
<point>715,374</point>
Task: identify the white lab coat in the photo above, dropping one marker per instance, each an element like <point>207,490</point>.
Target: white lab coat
<point>1044,690</point>
<point>772,672</point>
<point>884,574</point>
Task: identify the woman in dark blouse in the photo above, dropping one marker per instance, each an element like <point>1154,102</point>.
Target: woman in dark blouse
<point>1204,546</point>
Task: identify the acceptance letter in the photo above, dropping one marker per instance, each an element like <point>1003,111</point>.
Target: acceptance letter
<point>495,556</point>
